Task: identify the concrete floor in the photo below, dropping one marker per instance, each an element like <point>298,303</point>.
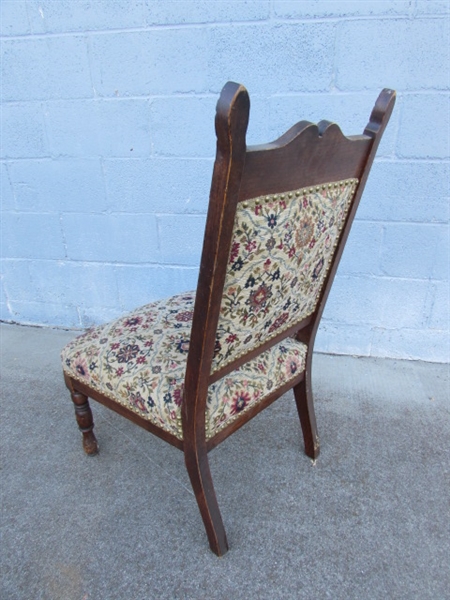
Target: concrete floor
<point>369,520</point>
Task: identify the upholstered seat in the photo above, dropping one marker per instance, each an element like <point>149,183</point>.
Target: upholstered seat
<point>196,367</point>
<point>139,361</point>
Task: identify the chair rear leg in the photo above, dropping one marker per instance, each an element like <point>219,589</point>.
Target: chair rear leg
<point>197,465</point>
<point>305,407</point>
<point>83,415</point>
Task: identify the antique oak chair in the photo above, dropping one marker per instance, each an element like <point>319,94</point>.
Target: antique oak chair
<point>194,368</point>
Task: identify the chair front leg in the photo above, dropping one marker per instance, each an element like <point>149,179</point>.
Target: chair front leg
<point>83,415</point>
<point>197,465</point>
<point>305,407</point>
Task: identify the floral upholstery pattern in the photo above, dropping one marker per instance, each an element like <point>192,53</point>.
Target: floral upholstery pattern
<point>139,361</point>
<point>282,247</point>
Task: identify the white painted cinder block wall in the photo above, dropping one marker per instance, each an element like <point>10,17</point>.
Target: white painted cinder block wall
<point>108,145</point>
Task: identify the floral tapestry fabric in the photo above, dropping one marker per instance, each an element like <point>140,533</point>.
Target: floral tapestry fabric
<point>139,361</point>
<point>281,249</point>
<point>255,380</point>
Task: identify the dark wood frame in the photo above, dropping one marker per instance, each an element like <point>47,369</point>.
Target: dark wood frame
<point>306,155</point>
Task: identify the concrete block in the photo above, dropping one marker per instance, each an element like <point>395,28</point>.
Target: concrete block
<point>362,250</point>
<point>204,11</point>
<point>14,18</point>
<point>3,296</point>
<point>423,129</point>
<point>432,7</point>
<point>400,54</point>
<point>6,189</point>
<point>181,239</point>
<point>23,134</point>
<point>343,338</point>
<point>31,235</point>
<point>45,68</point>
<point>35,17</point>
<point>22,290</point>
<point>293,9</point>
<point>158,185</point>
<point>184,127</point>
<point>412,250</point>
<point>62,185</point>
<point>292,57</point>
<point>354,300</point>
<point>407,191</point>
<point>149,62</point>
<point>441,267</point>
<point>440,311</point>
<point>125,128</point>
<point>73,128</point>
<point>97,315</point>
<point>142,284</point>
<point>16,280</point>
<point>76,284</point>
<point>412,344</point>
<point>351,111</point>
<point>5,313</point>
<point>91,128</point>
<point>111,237</point>
<point>406,302</point>
<point>44,313</point>
<point>84,15</point>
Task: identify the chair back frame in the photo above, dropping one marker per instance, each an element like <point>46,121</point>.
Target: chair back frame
<point>306,155</point>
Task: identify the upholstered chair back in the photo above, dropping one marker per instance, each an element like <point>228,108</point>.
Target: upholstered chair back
<point>281,249</point>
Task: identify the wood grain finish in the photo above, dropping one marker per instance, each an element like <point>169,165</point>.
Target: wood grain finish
<point>83,415</point>
<point>306,155</point>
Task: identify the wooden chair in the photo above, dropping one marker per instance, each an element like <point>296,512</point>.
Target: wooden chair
<point>194,368</point>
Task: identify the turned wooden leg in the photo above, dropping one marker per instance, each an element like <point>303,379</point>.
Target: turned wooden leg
<point>305,407</point>
<point>83,415</point>
<point>200,475</point>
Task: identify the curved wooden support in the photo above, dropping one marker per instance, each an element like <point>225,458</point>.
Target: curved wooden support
<point>232,114</point>
<point>83,415</point>
<point>197,465</point>
<point>305,407</point>
<point>231,126</point>
<point>381,113</point>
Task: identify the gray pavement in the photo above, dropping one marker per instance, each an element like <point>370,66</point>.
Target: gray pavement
<point>369,520</point>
